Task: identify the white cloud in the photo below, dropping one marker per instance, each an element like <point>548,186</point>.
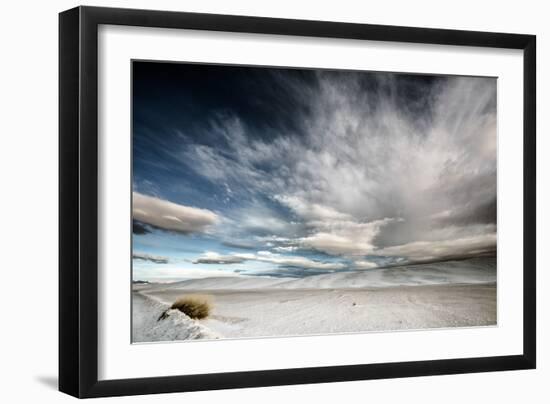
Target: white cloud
<point>362,264</point>
<point>296,261</point>
<point>171,216</point>
<point>265,256</point>
<point>311,211</point>
<point>434,250</point>
<point>147,257</point>
<point>285,249</point>
<point>335,244</point>
<point>345,238</point>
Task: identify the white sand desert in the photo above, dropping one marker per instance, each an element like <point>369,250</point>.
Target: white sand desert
<point>446,294</point>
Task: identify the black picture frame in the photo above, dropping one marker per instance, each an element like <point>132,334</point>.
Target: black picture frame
<point>78,201</point>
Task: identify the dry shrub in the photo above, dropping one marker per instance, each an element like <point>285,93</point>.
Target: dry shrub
<point>195,306</point>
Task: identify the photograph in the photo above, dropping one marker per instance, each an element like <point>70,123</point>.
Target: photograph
<point>288,201</point>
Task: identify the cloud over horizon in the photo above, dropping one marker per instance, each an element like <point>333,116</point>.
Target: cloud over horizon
<point>210,257</point>
<point>350,170</point>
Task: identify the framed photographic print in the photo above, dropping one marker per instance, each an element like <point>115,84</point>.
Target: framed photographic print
<point>251,201</point>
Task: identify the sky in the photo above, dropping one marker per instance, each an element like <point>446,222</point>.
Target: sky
<point>262,171</point>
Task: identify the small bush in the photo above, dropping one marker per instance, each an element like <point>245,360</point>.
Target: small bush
<point>195,306</point>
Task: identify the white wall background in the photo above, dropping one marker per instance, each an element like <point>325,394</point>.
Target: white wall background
<point>28,199</point>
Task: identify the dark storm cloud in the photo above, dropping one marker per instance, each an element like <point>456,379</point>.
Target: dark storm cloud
<point>471,213</point>
<point>184,94</point>
<point>219,260</point>
<point>139,228</point>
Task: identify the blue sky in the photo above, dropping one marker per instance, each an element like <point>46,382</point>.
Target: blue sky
<point>241,171</point>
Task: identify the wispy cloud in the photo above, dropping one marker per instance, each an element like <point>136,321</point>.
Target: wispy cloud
<point>347,166</point>
<point>210,257</point>
<point>365,162</point>
<point>363,264</point>
<point>266,256</point>
<point>152,258</point>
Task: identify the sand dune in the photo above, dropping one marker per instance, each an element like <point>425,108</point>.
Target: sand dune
<point>227,282</point>
<point>177,326</point>
<point>449,294</point>
<point>479,270</point>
